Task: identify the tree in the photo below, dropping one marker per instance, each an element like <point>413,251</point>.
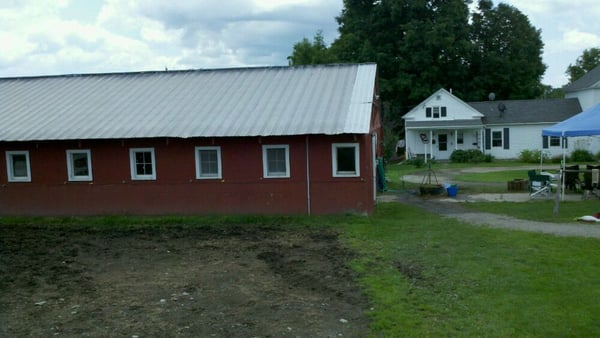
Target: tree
<point>421,46</point>
<point>586,62</point>
<point>507,54</point>
<point>306,53</point>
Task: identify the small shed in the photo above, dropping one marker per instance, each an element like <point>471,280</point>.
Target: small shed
<point>264,140</point>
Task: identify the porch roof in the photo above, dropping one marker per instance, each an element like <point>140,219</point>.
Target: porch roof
<point>445,124</point>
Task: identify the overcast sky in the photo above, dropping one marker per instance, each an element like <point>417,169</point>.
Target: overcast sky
<point>48,37</point>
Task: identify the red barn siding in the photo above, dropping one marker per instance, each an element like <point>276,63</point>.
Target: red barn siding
<point>243,190</point>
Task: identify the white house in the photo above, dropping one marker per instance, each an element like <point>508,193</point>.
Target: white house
<point>586,89</point>
<point>443,123</point>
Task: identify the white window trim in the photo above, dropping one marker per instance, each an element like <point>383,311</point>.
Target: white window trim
<point>265,162</point>
<point>70,168</point>
<point>334,163</point>
<point>9,166</point>
<point>199,175</point>
<point>134,176</point>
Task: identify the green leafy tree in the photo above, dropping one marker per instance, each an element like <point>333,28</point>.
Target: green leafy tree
<point>306,53</point>
<point>423,45</point>
<point>551,93</point>
<point>507,54</point>
<point>586,62</point>
<point>419,46</point>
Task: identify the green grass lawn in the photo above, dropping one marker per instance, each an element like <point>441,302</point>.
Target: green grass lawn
<point>432,276</point>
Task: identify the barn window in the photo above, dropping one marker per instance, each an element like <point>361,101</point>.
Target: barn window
<point>143,165</point>
<point>345,161</point>
<point>79,165</point>
<point>208,162</point>
<point>276,161</point>
<point>17,165</point>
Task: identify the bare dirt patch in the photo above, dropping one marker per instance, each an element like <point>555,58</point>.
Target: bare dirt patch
<point>237,281</point>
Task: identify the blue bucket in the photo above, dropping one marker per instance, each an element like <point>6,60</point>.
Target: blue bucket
<point>452,190</point>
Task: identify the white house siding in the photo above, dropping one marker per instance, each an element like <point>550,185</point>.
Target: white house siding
<point>590,143</point>
<point>587,98</point>
<point>521,137</point>
<point>471,139</point>
<point>528,137</point>
<point>441,131</point>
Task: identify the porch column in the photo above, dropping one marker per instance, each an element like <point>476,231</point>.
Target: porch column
<point>430,144</point>
<point>455,139</point>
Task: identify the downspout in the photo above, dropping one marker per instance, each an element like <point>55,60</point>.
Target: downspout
<point>307,179</point>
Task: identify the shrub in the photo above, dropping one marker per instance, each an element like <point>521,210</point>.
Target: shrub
<point>532,156</point>
<point>582,155</point>
<point>416,161</point>
<point>458,156</point>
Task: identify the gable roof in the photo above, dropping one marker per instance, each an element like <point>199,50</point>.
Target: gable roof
<point>262,101</point>
<point>527,111</point>
<point>589,80</point>
<point>417,109</point>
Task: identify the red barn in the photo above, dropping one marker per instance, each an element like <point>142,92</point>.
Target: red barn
<point>268,140</point>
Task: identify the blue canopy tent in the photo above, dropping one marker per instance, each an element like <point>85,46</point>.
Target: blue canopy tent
<point>586,123</point>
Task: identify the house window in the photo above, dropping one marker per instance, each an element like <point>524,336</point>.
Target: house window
<point>208,162</point>
<point>276,161</point>
<point>79,165</point>
<point>554,141</point>
<point>143,164</point>
<point>497,138</point>
<point>17,166</point>
<point>460,138</point>
<point>435,112</point>
<point>345,160</point>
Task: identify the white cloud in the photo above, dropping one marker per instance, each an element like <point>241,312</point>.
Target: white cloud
<point>575,39</point>
<point>77,36</point>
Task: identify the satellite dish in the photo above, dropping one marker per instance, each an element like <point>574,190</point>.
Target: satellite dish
<point>492,96</point>
<point>501,107</point>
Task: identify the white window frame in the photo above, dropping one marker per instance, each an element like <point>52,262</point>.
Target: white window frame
<point>9,166</point>
<point>71,165</point>
<point>554,141</point>
<point>134,175</point>
<point>335,171</point>
<point>266,173</point>
<point>208,176</point>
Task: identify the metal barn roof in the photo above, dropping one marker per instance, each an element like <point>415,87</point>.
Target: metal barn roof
<point>264,101</point>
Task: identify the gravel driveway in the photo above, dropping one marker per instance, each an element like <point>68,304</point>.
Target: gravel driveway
<point>453,209</point>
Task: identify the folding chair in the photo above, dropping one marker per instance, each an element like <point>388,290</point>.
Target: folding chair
<point>539,185</point>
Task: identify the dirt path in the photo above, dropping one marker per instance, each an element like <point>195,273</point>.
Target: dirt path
<point>222,281</point>
<point>455,210</point>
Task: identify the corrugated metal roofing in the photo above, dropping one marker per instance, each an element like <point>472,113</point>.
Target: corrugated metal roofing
<point>264,101</point>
